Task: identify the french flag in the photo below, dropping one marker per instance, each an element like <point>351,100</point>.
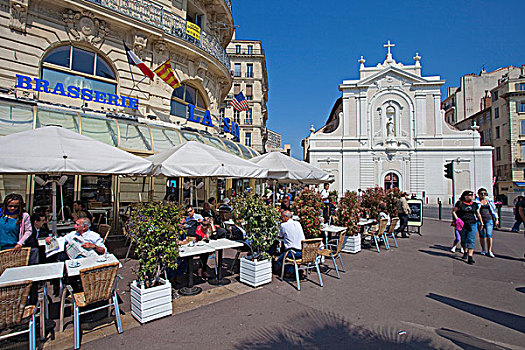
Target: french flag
<point>134,60</point>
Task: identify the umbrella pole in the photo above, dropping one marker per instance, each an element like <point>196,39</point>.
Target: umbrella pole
<point>274,193</point>
<point>54,206</point>
<point>62,203</point>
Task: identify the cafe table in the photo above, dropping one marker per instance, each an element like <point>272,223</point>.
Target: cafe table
<point>36,273</point>
<point>331,229</point>
<point>219,245</point>
<point>74,266</point>
<point>187,252</point>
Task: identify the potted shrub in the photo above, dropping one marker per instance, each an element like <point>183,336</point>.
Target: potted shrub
<point>154,229</point>
<point>261,223</point>
<point>391,198</point>
<point>309,206</point>
<point>370,201</point>
<point>348,212</point>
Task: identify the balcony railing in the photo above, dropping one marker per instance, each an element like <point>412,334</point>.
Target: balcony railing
<point>247,52</point>
<point>154,14</point>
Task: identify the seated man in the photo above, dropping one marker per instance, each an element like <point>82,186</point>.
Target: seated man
<point>79,212</point>
<point>292,235</point>
<point>207,212</point>
<point>90,241</point>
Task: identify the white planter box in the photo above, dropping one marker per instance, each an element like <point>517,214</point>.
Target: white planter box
<point>148,304</point>
<point>255,273</point>
<point>352,244</point>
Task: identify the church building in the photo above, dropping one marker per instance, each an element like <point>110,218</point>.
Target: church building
<point>388,129</point>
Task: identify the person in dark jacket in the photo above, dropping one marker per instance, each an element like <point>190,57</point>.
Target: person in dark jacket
<point>517,216</point>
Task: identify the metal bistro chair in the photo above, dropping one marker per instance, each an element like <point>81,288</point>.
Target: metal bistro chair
<point>391,229</point>
<point>334,251</point>
<point>379,232</point>
<point>14,312</point>
<point>309,251</point>
<point>99,284</point>
<point>8,259</point>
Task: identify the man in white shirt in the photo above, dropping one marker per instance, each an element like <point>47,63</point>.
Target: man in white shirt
<point>325,197</point>
<point>92,240</point>
<point>292,234</point>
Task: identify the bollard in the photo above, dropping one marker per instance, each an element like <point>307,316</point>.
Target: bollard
<point>439,210</point>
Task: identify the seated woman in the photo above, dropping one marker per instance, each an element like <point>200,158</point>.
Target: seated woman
<point>384,215</point>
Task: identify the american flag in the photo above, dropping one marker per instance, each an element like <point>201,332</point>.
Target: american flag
<point>239,102</point>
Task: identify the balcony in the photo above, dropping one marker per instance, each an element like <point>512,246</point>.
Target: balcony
<point>153,14</point>
<point>245,52</point>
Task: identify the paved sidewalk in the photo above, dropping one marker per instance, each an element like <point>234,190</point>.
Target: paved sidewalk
<point>418,296</point>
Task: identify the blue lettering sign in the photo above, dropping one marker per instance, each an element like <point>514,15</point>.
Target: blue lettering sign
<point>227,125</point>
<point>191,114</point>
<point>41,85</point>
<point>206,120</point>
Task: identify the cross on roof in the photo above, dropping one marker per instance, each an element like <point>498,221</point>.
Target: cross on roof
<point>388,46</point>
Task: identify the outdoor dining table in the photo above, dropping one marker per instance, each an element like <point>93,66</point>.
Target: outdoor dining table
<point>187,252</point>
<point>74,266</point>
<point>36,273</point>
<point>329,229</point>
<point>219,245</point>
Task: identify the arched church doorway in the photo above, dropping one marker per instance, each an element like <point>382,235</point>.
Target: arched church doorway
<point>391,181</point>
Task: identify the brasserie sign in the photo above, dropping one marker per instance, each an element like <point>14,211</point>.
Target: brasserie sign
<point>71,91</point>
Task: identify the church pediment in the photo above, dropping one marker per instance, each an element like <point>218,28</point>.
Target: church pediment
<point>390,75</point>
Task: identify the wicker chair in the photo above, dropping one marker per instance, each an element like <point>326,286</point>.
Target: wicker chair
<point>391,229</point>
<point>8,259</point>
<point>334,251</point>
<point>99,284</point>
<point>308,260</point>
<point>379,232</point>
<point>14,312</point>
<point>103,231</point>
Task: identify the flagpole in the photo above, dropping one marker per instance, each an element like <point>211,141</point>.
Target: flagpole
<point>135,85</point>
<point>129,65</point>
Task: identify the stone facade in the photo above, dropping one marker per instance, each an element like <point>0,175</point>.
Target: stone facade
<point>389,131</point>
<point>248,65</point>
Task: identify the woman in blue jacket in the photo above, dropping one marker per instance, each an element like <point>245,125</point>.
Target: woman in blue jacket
<point>489,215</point>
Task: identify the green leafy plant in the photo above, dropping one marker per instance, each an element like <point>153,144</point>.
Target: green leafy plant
<point>391,198</point>
<point>155,230</point>
<point>260,221</point>
<point>371,199</point>
<point>333,195</point>
<point>348,212</point>
<point>308,206</point>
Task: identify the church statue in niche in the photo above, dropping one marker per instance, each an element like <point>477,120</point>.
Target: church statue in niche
<point>390,123</point>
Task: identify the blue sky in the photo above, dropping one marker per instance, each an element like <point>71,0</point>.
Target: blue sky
<point>311,46</point>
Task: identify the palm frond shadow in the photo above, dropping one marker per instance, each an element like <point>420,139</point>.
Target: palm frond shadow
<point>318,330</point>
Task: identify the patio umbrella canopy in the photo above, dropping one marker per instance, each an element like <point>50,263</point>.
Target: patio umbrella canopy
<point>286,169</point>
<point>55,150</point>
<point>194,159</point>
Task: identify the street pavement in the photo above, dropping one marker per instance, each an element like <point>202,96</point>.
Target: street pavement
<point>418,296</point>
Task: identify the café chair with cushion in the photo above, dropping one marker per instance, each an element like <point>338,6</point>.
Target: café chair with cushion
<point>378,233</point>
<point>99,283</point>
<point>8,259</point>
<point>333,251</point>
<point>14,312</point>
<point>308,260</point>
<point>392,228</point>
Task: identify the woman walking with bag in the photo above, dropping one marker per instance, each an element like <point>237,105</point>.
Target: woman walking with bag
<point>468,211</point>
<point>489,215</point>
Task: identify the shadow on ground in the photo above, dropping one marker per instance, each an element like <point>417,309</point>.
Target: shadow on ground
<point>320,330</point>
<point>466,341</point>
<point>503,318</point>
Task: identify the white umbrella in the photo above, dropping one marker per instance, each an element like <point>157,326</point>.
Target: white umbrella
<point>56,151</point>
<point>195,159</point>
<point>286,169</point>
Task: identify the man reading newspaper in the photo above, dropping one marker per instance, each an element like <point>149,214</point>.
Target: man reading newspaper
<point>80,243</point>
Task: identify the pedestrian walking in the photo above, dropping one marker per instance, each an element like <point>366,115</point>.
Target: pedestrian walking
<point>402,212</point>
<point>489,215</point>
<point>517,216</point>
<point>468,211</point>
<point>458,226</point>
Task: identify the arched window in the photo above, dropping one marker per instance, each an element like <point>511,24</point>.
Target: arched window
<point>391,181</point>
<point>185,95</point>
<point>74,66</point>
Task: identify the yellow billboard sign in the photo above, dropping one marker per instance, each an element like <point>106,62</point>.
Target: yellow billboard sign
<point>193,30</point>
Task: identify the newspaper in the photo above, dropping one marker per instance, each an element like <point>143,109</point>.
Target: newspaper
<point>55,246</point>
<point>75,250</point>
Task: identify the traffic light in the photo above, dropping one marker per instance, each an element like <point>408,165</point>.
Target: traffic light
<point>449,170</point>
